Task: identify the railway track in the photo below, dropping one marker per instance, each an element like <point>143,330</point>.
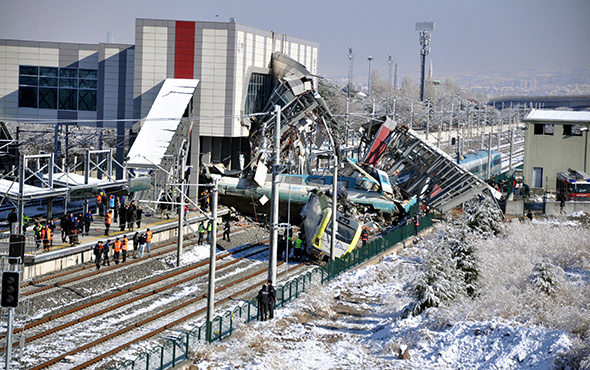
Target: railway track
<point>121,292</point>
<point>157,250</point>
<point>169,284</point>
<point>102,354</point>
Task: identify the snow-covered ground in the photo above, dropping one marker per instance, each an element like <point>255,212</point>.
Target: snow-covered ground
<point>358,321</point>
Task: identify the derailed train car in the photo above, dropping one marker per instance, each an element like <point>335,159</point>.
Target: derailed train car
<point>317,222</point>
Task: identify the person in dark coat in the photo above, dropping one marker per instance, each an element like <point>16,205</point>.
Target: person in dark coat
<point>123,218</point>
<point>272,297</point>
<point>135,244</point>
<point>98,254</point>
<point>138,215</point>
<point>416,223</point>
<point>263,300</point>
<point>118,208</point>
<point>226,230</point>
<point>105,253</point>
<point>64,225</point>
<point>364,236</point>
<point>131,215</point>
<point>88,220</point>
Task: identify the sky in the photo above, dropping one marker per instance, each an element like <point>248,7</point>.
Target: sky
<point>485,37</point>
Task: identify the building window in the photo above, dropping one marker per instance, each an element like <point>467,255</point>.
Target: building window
<point>57,88</point>
<point>572,130</point>
<point>544,129</point>
<point>259,89</point>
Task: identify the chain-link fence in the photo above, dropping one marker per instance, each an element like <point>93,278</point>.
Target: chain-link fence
<point>175,350</point>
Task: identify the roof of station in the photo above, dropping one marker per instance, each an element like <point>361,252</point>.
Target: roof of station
<point>161,123</point>
<point>558,116</point>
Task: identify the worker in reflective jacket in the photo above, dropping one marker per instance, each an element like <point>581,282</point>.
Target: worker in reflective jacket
<point>124,247</point>
<point>47,235</point>
<point>148,240</point>
<point>364,236</point>
<point>108,219</point>
<point>116,251</point>
<point>298,246</point>
<point>416,223</point>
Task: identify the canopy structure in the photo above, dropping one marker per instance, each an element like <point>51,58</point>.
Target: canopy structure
<point>161,123</point>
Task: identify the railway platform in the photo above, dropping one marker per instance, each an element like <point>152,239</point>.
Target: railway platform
<point>64,255</point>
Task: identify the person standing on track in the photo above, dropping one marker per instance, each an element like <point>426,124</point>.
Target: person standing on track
<point>124,248</point>
<point>108,219</point>
<point>297,247</point>
<point>141,241</point>
<point>116,251</point>
<point>105,253</point>
<point>98,254</point>
<point>148,240</point>
<point>201,233</point>
<point>135,244</point>
<point>226,230</point>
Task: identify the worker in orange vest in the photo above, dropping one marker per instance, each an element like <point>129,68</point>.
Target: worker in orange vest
<point>108,219</point>
<point>99,204</point>
<point>117,251</point>
<point>47,235</point>
<point>148,240</point>
<point>124,246</point>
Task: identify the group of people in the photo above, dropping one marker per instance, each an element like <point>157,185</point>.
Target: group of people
<point>44,235</point>
<point>120,248</point>
<point>128,215</point>
<point>289,242</point>
<point>74,225</point>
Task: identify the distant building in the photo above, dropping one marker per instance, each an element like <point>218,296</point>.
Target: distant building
<point>555,140</point>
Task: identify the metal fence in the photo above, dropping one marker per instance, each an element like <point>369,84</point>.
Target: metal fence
<point>177,349</point>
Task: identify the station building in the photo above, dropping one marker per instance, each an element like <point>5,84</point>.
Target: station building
<point>555,141</point>
<point>114,85</point>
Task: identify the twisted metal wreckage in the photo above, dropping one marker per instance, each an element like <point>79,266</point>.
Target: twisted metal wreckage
<point>396,170</point>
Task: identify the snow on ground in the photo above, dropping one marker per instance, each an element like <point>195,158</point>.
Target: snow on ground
<point>357,321</point>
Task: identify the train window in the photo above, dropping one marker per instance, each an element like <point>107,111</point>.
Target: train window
<point>315,181</point>
<point>293,180</point>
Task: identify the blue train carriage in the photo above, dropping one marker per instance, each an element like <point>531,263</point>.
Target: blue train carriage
<point>477,163</point>
<point>317,223</point>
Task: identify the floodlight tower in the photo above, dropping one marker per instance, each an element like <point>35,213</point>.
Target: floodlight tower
<point>389,62</point>
<point>425,28</point>
<point>370,59</point>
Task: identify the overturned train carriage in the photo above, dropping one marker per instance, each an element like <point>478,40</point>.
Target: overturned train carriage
<point>317,222</point>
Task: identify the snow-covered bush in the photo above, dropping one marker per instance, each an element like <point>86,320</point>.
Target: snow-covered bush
<point>543,277</point>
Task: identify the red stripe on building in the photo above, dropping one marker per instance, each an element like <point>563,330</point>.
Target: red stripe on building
<point>184,50</point>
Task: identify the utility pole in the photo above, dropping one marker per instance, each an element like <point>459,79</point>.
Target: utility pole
<point>180,225</point>
<point>274,225</point>
<point>348,88</point>
<point>211,295</point>
<point>334,207</point>
<point>424,28</point>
